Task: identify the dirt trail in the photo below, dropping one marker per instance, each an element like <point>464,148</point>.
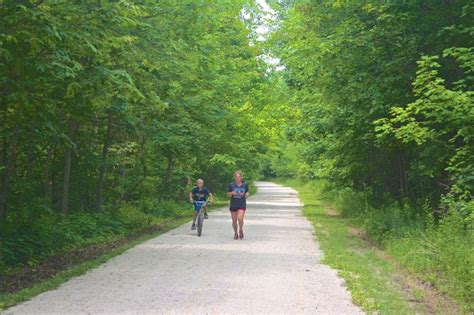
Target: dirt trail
<point>275,269</point>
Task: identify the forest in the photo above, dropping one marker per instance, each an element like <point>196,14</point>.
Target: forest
<point>110,110</point>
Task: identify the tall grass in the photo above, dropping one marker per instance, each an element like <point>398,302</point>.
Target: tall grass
<point>440,251</point>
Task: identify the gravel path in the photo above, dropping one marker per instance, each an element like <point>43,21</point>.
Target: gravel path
<point>275,269</point>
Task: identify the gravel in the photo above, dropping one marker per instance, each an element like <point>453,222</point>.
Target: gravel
<point>275,269</point>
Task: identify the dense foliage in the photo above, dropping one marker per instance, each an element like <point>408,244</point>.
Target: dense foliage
<point>384,92</point>
<point>118,105</point>
<point>110,109</point>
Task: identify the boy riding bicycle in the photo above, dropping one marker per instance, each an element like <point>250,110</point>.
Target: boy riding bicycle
<point>198,197</point>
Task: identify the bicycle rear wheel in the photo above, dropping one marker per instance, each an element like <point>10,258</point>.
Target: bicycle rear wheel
<point>200,222</point>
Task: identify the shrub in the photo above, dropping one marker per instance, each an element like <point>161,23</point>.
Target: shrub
<point>439,250</point>
<point>132,218</point>
<point>30,241</point>
<point>29,236</point>
<point>172,209</point>
<point>351,203</point>
<point>450,246</point>
<point>441,254</point>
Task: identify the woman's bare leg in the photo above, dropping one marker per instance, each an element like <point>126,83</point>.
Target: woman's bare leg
<point>240,218</point>
<point>234,221</point>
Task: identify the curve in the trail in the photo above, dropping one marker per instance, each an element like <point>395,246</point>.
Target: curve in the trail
<point>275,269</point>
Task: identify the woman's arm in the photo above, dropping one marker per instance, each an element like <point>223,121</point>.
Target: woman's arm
<point>191,197</point>
<point>230,191</point>
<point>211,199</point>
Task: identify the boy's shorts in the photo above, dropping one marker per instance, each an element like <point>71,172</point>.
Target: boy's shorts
<point>198,205</point>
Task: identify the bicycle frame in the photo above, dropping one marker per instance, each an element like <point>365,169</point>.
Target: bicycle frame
<point>199,216</point>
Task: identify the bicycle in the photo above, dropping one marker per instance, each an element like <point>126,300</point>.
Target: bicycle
<point>199,216</point>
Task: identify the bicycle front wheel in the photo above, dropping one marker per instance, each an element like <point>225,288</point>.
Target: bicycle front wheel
<point>200,224</point>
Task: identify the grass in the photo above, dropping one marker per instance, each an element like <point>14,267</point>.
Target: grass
<point>11,299</point>
<point>369,275</point>
<point>435,250</point>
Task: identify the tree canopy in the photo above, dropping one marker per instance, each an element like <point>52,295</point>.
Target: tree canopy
<point>384,91</point>
<point>110,101</point>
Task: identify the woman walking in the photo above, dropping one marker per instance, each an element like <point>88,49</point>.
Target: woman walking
<point>238,191</point>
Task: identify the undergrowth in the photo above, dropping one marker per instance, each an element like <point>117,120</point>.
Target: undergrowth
<point>438,249</point>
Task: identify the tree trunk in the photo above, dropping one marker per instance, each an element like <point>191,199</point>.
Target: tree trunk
<point>402,176</point>
<point>9,161</point>
<point>142,141</point>
<point>47,181</point>
<point>55,180</point>
<point>167,178</point>
<point>67,169</point>
<point>105,150</point>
